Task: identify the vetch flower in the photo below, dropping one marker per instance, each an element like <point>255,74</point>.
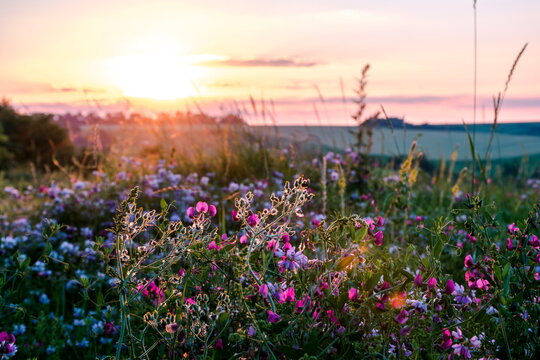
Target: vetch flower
<point>212,210</point>
<point>253,220</point>
<point>272,317</point>
<point>402,317</point>
<point>201,207</point>
<point>353,294</point>
<point>469,262</point>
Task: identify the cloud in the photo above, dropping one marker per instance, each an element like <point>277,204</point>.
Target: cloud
<point>260,62</point>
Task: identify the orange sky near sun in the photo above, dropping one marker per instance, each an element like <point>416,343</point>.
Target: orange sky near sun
<point>64,55</point>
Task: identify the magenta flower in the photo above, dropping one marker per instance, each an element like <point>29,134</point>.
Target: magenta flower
<point>446,339</point>
<point>432,283</point>
<point>234,215</point>
<point>212,210</point>
<point>263,290</point>
<point>469,262</point>
<point>219,344</point>
<point>190,212</point>
<point>418,281</point>
<point>286,295</point>
<point>353,294</point>
<point>253,220</point>
<point>109,328</point>
<point>509,244</point>
<point>213,246</point>
<point>512,228</point>
<point>243,239</point>
<point>272,317</point>
<point>534,241</point>
<point>402,317</point>
<point>449,287</point>
<point>201,207</point>
<point>378,238</point>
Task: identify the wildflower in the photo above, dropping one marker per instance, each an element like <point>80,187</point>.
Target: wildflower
<point>378,238</point>
<point>190,212</point>
<point>212,210</point>
<point>272,317</point>
<point>512,228</point>
<point>171,328</point>
<point>432,283</point>
<point>418,280</point>
<point>253,220</point>
<point>292,259</point>
<point>353,294</point>
<point>469,262</point>
<point>449,287</point>
<point>263,290</point>
<point>475,342</point>
<point>461,350</point>
<point>201,207</point>
<point>213,246</point>
<point>457,334</point>
<point>509,244</point>
<point>243,239</point>
<point>446,339</point>
<point>251,331</point>
<point>402,317</point>
<point>109,328</point>
<point>234,215</point>
<point>287,295</point>
<point>534,241</point>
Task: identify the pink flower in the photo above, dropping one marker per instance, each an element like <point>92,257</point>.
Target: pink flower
<point>534,241</point>
<point>446,339</point>
<point>509,244</point>
<point>402,317</point>
<point>418,281</point>
<point>234,215</point>
<point>213,246</point>
<point>253,220</point>
<point>353,294</point>
<point>469,262</point>
<point>449,287</point>
<point>272,317</point>
<point>190,212</point>
<point>171,328</point>
<point>263,290</point>
<point>512,228</point>
<point>212,210</point>
<point>378,238</point>
<point>432,283</point>
<point>201,207</point>
<point>286,295</point>
<point>243,239</point>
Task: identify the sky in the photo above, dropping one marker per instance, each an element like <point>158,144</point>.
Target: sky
<point>289,61</point>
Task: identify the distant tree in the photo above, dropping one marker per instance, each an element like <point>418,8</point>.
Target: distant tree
<point>32,138</point>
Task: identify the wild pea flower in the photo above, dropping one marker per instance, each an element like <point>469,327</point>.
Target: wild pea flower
<point>446,339</point>
<point>418,281</point>
<point>509,244</point>
<point>286,295</point>
<point>402,317</point>
<point>449,287</point>
<point>512,228</point>
<point>378,238</point>
<point>212,210</point>
<point>461,350</point>
<point>201,207</point>
<point>471,238</point>
<point>190,212</point>
<point>253,220</point>
<point>475,342</point>
<point>291,260</point>
<point>263,290</point>
<point>353,294</point>
<point>469,262</point>
<point>251,331</point>
<point>213,246</point>
<point>234,215</point>
<point>219,344</point>
<point>152,291</point>
<point>459,295</point>
<point>272,317</point>
<point>534,241</point>
<point>7,345</point>
<point>457,334</point>
<point>432,283</point>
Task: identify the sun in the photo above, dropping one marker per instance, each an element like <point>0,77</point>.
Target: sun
<point>158,77</point>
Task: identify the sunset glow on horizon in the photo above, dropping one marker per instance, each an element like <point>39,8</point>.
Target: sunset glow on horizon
<point>302,58</point>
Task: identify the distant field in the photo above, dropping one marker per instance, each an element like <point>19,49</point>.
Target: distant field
<point>434,143</point>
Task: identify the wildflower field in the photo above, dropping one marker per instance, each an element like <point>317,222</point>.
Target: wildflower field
<point>266,251</point>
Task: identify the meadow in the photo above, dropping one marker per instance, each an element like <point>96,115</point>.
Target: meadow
<point>236,247</point>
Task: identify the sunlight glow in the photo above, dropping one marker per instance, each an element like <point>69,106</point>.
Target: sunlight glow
<point>158,77</point>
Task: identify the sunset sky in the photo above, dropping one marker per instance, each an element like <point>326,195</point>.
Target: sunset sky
<point>70,55</point>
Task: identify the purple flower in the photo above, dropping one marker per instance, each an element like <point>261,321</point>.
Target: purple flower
<point>287,295</point>
<point>212,210</point>
<point>378,238</point>
<point>449,287</point>
<point>512,228</point>
<point>402,317</point>
<point>263,290</point>
<point>418,280</point>
<point>534,241</point>
<point>469,262</point>
<point>291,260</point>
<point>190,212</point>
<point>509,244</point>
<point>219,344</point>
<point>461,350</point>
<point>272,317</point>
<point>251,331</point>
<point>234,215</point>
<point>253,220</point>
